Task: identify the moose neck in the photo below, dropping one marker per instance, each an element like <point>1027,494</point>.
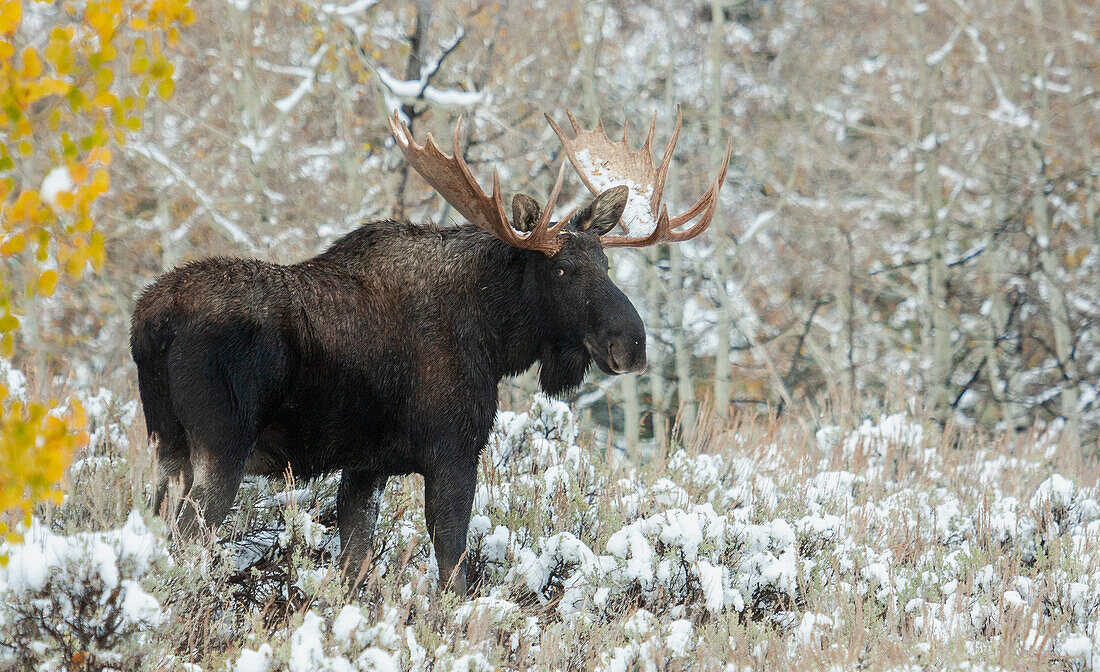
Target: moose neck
<point>525,335</point>
<point>509,304</point>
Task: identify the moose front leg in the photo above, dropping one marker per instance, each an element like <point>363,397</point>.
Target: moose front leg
<point>357,504</point>
<point>448,500</point>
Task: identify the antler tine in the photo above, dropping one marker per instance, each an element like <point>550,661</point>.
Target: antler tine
<point>543,226</point>
<point>572,120</point>
<point>500,226</point>
<point>451,177</point>
<point>648,144</point>
<point>666,160</point>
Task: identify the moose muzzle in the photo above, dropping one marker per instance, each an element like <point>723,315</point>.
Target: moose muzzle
<point>617,344</point>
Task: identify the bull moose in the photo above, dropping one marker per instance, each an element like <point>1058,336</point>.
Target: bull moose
<point>382,356</point>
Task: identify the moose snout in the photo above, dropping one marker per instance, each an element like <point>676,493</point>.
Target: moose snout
<point>626,353</point>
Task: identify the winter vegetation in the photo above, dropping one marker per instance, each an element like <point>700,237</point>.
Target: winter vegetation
<point>881,543</point>
<point>867,437</point>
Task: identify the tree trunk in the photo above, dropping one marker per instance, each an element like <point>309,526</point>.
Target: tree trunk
<point>1001,372</point>
<point>412,71</point>
<point>658,403</point>
<point>719,227</point>
<point>685,385</point>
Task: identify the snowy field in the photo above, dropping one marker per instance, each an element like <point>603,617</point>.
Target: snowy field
<point>870,543</point>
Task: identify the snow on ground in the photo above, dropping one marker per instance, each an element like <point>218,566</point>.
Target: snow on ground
<point>777,549</point>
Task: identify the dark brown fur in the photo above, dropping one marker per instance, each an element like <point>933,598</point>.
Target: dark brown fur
<point>379,357</point>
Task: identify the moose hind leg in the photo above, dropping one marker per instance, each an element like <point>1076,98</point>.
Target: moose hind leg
<point>221,390</point>
<point>357,504</point>
<point>218,468</point>
<point>173,462</point>
<point>448,501</point>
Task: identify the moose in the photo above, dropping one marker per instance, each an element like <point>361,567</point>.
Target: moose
<point>382,355</point>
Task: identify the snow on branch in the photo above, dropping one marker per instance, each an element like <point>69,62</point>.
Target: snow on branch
<point>421,88</point>
<point>937,56</point>
<point>258,142</point>
<point>418,89</point>
<point>285,105</point>
<point>347,10</point>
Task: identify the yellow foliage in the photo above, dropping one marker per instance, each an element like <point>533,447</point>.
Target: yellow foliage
<point>36,444</point>
<point>64,101</point>
<point>47,282</point>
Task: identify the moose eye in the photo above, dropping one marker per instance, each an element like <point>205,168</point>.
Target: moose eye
<point>559,272</point>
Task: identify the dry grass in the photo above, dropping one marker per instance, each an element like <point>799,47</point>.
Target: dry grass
<point>913,567</point>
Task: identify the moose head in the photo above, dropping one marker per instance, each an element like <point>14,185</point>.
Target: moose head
<point>580,301</point>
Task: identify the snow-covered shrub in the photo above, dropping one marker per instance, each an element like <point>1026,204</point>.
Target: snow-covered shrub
<point>81,599</point>
<point>620,566</point>
<point>650,646</point>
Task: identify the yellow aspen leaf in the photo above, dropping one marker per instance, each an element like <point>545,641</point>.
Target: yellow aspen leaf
<point>74,265</point>
<point>47,282</point>
<point>58,52</point>
<point>27,203</point>
<point>97,252</point>
<point>104,77</point>
<point>100,155</point>
<point>8,323</point>
<point>79,417</point>
<point>13,245</point>
<point>78,171</point>
<point>104,99</point>
<point>43,245</point>
<point>138,23</point>
<point>139,64</point>
<point>11,15</point>
<point>102,180</point>
<point>165,87</point>
<point>32,66</point>
<point>45,87</point>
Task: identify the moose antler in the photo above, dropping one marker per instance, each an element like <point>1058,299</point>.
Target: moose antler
<point>602,164</point>
<point>452,179</point>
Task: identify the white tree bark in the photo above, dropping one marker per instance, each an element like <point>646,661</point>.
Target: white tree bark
<point>937,318</point>
<point>1048,258</point>
<point>685,384</point>
<point>719,227</point>
<point>1001,370</point>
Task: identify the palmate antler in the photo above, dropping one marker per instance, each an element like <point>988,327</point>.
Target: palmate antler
<point>618,164</point>
<point>452,179</point>
<point>594,155</point>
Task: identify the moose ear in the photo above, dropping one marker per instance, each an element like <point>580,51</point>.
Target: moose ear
<point>602,213</point>
<point>525,212</point>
